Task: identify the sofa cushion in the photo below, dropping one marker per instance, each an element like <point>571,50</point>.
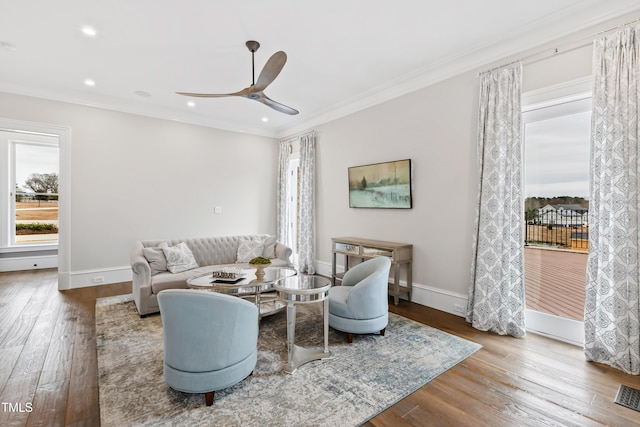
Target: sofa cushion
<point>179,258</point>
<point>249,247</point>
<point>269,250</point>
<point>157,260</point>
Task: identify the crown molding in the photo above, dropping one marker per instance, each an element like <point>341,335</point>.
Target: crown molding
<point>151,111</point>
<point>473,60</point>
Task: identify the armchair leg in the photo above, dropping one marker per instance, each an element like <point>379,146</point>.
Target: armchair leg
<point>382,331</point>
<point>349,337</point>
<point>208,397</point>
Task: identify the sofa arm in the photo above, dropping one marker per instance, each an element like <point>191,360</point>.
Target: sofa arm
<point>141,278</point>
<point>283,252</point>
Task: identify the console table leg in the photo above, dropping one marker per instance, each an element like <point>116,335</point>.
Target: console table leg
<point>396,284</point>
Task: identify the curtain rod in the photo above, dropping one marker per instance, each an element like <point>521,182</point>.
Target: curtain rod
<point>560,49</point>
<point>297,135</point>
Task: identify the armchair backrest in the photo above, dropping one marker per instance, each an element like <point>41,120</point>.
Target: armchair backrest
<point>368,298</point>
<point>206,331</point>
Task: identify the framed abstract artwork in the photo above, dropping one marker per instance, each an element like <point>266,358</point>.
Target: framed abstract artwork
<point>381,185</point>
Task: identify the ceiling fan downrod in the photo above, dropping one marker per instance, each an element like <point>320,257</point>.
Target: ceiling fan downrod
<point>253,45</point>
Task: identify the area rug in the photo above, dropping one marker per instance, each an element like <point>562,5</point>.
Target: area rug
<point>356,383</point>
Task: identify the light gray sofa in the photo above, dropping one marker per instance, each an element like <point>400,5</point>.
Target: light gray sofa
<point>210,253</point>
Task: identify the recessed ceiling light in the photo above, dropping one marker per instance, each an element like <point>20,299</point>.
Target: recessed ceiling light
<point>89,31</point>
<point>191,104</point>
<point>265,119</point>
<point>143,94</point>
<point>89,82</point>
<point>8,46</point>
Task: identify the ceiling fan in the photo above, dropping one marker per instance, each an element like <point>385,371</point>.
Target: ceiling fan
<point>256,91</point>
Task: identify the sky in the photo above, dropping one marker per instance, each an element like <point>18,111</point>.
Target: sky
<point>556,156</point>
<point>35,159</point>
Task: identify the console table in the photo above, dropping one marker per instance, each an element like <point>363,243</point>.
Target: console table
<point>401,255</point>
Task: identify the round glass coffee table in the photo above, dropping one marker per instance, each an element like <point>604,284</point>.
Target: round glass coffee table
<point>303,289</point>
<point>248,286</point>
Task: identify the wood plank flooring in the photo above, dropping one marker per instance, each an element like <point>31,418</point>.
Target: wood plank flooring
<point>49,363</point>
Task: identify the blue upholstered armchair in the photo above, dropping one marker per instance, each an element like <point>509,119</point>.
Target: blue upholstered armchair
<point>210,340</point>
<point>361,305</point>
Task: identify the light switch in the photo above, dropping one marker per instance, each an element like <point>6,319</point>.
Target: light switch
<point>217,209</point>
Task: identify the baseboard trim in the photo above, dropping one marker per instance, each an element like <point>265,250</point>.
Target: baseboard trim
<point>87,278</point>
<point>28,263</point>
<point>324,268</point>
<point>566,330</point>
<point>449,302</point>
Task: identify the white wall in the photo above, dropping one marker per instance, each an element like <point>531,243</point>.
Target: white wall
<point>135,177</point>
<point>435,128</point>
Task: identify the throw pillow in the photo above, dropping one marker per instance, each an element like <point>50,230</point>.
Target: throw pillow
<point>179,258</point>
<point>249,248</point>
<point>157,260</point>
<point>269,247</point>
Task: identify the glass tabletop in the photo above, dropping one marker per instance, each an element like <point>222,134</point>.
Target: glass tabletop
<point>272,274</point>
<point>303,284</point>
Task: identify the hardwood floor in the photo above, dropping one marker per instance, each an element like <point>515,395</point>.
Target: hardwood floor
<point>48,370</point>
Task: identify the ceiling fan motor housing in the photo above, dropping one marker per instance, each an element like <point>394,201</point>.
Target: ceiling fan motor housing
<point>252,45</point>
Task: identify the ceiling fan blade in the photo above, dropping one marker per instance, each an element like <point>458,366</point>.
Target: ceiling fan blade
<point>270,71</point>
<point>242,92</point>
<point>276,105</point>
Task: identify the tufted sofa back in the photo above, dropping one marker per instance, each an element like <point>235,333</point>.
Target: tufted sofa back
<point>208,250</point>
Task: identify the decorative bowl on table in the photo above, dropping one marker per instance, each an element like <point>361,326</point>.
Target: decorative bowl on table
<point>260,263</point>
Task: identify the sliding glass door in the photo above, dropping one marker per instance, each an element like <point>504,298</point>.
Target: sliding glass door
<point>556,153</point>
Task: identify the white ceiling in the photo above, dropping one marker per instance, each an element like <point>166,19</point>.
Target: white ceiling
<point>343,55</point>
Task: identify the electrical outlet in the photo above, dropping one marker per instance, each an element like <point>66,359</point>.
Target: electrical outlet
<point>98,279</point>
<point>458,308</point>
<point>217,209</point>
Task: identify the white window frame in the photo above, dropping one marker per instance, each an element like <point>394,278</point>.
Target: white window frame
<point>64,189</point>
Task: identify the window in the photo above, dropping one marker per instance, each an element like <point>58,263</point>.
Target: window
<point>294,198</point>
<point>29,190</point>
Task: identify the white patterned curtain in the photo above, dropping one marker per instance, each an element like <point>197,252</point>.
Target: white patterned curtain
<point>612,312</point>
<point>306,206</point>
<point>496,290</point>
<point>283,216</point>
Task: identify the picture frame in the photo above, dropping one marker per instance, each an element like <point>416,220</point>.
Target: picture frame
<point>385,185</point>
